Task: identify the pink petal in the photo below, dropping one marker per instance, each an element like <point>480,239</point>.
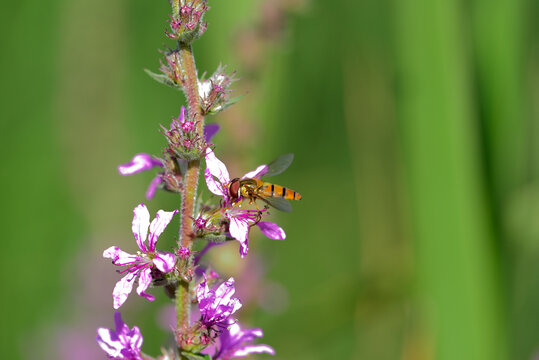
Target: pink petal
<point>144,282</point>
<point>271,230</point>
<point>257,173</point>
<point>202,290</point>
<point>119,257</point>
<point>216,167</point>
<point>158,225</point>
<point>109,342</point>
<point>119,325</point>
<point>234,329</point>
<point>253,349</point>
<point>123,289</point>
<point>181,116</point>
<point>154,184</point>
<point>225,291</point>
<point>237,304</point>
<point>210,130</point>
<point>139,162</point>
<point>165,262</point>
<point>136,338</point>
<point>213,185</point>
<point>141,221</point>
<point>239,229</point>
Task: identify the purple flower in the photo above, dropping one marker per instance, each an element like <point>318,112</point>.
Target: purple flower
<point>140,163</point>
<point>234,342</point>
<point>124,343</point>
<point>216,306</point>
<point>218,181</point>
<point>146,260</point>
<point>240,222</point>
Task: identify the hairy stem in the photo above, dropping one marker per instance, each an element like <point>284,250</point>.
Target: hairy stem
<point>190,181</point>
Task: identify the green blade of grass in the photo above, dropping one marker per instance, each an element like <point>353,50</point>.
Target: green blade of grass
<point>457,277</point>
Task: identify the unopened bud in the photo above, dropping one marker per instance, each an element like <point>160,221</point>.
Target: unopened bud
<point>190,24</point>
<point>214,91</point>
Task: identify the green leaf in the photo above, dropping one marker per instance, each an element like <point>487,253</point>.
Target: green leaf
<point>226,105</point>
<point>234,100</point>
<point>163,79</point>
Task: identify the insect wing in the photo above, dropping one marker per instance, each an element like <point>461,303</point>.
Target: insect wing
<point>279,165</point>
<point>278,203</point>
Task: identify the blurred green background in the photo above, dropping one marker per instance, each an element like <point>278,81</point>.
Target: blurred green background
<point>415,130</point>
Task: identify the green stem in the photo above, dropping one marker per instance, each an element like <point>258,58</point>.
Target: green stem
<point>190,181</point>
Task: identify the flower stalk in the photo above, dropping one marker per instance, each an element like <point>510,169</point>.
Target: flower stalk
<point>190,184</point>
<point>216,334</point>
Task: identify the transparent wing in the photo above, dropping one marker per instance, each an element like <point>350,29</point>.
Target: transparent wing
<point>278,203</point>
<point>279,165</point>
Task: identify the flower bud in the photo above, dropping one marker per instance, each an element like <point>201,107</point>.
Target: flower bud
<point>214,91</point>
<point>184,141</point>
<point>189,24</point>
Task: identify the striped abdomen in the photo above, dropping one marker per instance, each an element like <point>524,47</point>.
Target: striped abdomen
<point>273,190</point>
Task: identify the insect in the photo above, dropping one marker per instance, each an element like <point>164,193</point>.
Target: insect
<point>272,194</point>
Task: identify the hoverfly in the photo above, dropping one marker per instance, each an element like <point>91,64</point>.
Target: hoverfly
<point>272,194</point>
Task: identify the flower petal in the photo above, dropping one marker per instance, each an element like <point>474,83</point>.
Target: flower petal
<point>225,291</point>
<point>202,291</point>
<point>144,282</point>
<point>123,289</point>
<point>204,88</point>
<point>154,184</point>
<point>271,230</point>
<point>214,186</point>
<point>239,229</point>
<point>141,221</point>
<point>181,116</point>
<point>256,173</point>
<point>164,262</point>
<point>119,257</point>
<point>217,167</point>
<point>158,225</point>
<point>139,163</point>
<point>253,349</point>
<point>135,337</point>
<point>210,130</point>
<point>109,342</point>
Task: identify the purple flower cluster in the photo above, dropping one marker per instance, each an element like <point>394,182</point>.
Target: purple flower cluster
<point>216,306</point>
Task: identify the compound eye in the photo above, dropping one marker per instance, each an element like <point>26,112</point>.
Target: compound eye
<point>234,188</point>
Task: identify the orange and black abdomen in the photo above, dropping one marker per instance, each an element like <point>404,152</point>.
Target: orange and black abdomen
<point>273,190</point>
